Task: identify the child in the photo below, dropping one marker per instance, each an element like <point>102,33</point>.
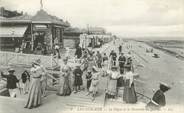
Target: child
<point>77,78</point>
<point>25,81</point>
<point>88,78</point>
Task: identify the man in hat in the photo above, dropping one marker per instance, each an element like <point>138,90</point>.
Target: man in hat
<point>113,56</point>
<point>158,99</point>
<point>122,60</point>
<point>11,82</point>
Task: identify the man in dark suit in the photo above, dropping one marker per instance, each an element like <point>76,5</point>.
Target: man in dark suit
<point>11,82</point>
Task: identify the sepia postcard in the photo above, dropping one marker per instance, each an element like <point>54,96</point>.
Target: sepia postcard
<point>120,56</point>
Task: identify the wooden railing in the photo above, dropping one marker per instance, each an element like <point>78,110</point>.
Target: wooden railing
<point>11,58</point>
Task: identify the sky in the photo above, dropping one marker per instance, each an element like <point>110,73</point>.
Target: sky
<point>126,18</point>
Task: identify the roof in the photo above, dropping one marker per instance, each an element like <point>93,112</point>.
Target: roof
<point>73,30</point>
<point>22,17</point>
<point>25,18</point>
<point>40,17</point>
<point>43,17</point>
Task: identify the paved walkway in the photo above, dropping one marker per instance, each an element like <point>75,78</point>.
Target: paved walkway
<point>151,72</point>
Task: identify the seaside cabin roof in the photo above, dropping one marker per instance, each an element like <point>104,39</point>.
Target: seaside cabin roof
<point>40,17</point>
<point>25,18</point>
<point>43,17</point>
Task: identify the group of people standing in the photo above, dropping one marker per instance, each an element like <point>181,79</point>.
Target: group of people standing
<point>32,82</point>
<point>35,82</point>
<point>122,78</point>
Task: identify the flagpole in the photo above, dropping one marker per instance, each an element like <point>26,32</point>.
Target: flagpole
<point>41,4</point>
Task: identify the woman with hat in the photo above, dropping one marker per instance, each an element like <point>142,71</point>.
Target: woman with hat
<point>64,88</point>
<point>111,91</point>
<point>11,82</point>
<point>34,96</point>
<point>77,78</point>
<point>94,83</point>
<point>129,94</point>
<point>158,99</point>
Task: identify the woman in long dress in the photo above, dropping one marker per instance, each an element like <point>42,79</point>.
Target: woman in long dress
<point>111,91</point>
<point>64,88</point>
<point>94,83</point>
<point>34,97</point>
<point>129,94</point>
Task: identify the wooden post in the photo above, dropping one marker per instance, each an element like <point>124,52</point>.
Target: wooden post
<point>51,36</point>
<point>32,40</point>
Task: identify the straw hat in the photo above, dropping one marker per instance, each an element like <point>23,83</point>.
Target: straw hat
<point>11,70</point>
<point>164,87</point>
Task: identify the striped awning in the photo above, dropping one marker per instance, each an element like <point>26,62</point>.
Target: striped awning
<point>12,31</point>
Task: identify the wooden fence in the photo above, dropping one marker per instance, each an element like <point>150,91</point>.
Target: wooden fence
<point>11,58</point>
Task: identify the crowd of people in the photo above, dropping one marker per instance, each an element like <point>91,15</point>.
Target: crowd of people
<point>119,71</point>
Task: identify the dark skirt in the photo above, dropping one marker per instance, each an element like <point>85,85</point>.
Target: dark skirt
<point>64,89</point>
<point>88,84</point>
<point>129,94</point>
<point>78,81</point>
<point>120,82</point>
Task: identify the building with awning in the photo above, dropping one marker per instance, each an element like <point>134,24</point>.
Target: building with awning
<point>31,31</point>
<point>14,30</point>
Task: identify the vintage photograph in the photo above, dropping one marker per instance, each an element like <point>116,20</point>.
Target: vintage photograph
<point>101,56</point>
